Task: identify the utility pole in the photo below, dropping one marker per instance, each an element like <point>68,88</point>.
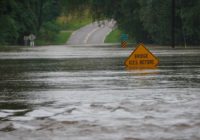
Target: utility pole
<point>173,23</point>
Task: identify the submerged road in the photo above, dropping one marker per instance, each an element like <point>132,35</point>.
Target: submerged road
<point>86,93</point>
<point>94,33</point>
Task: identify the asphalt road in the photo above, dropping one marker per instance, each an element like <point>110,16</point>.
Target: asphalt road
<point>94,33</point>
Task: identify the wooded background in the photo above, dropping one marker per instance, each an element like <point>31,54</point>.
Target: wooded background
<point>147,21</point>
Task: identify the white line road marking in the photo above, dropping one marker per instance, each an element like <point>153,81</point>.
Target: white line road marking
<point>89,34</point>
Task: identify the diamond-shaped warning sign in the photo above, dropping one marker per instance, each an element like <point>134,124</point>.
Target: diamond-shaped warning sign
<point>141,57</point>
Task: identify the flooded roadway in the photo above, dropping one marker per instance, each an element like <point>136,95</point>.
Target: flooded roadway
<point>85,93</point>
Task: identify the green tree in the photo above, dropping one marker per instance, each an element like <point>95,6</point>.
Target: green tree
<point>189,13</point>
<point>8,28</point>
<point>156,18</point>
<point>150,20</point>
<point>127,15</point>
<point>19,18</point>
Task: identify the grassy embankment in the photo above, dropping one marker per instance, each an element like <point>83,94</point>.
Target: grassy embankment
<point>67,25</point>
<point>114,37</point>
<point>68,28</point>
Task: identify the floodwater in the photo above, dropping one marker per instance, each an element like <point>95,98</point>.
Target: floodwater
<point>86,93</point>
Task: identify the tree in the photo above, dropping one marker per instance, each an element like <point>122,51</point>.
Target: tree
<point>150,20</point>
<point>25,17</point>
<point>8,29</point>
<point>189,13</point>
<point>156,18</point>
<point>127,15</point>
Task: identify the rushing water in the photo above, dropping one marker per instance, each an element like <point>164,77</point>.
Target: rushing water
<point>86,93</point>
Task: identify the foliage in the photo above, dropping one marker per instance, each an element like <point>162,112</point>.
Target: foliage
<point>189,13</point>
<point>49,31</point>
<point>150,20</point>
<point>9,34</point>
<point>74,22</point>
<point>20,18</point>
<point>113,37</point>
<point>145,20</point>
<point>125,12</point>
<point>61,38</point>
<point>24,17</point>
<point>155,16</point>
<point>74,7</point>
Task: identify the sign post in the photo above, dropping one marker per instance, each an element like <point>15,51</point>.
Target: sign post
<point>141,58</point>
<point>32,38</point>
<point>173,23</point>
<point>124,39</point>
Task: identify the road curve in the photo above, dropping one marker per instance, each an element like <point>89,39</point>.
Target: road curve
<point>94,33</point>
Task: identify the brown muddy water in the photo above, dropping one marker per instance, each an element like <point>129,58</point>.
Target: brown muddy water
<point>86,93</point>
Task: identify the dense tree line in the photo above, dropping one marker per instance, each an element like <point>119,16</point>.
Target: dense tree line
<point>145,20</point>
<point>19,18</point>
<point>150,20</point>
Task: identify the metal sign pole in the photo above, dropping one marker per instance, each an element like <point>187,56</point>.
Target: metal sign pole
<point>173,23</point>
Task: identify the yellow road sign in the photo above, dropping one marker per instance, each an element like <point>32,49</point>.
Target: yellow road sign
<point>141,58</point>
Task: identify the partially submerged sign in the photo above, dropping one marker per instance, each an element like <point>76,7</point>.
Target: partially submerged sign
<point>141,58</point>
